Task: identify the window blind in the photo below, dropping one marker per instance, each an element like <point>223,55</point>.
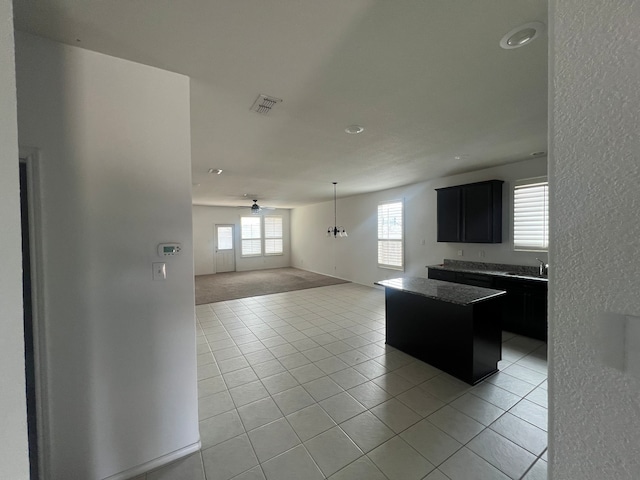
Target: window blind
<point>272,235</point>
<point>531,216</point>
<point>390,235</point>
<point>251,236</point>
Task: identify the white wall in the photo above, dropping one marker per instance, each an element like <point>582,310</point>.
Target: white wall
<point>204,220</point>
<point>355,257</point>
<point>114,161</point>
<point>595,245</point>
<point>14,460</point>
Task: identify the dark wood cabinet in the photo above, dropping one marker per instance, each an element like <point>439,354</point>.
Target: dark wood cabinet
<point>524,309</point>
<point>449,209</point>
<point>470,213</point>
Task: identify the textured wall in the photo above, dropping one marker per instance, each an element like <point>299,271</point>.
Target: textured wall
<point>14,461</point>
<point>595,246</point>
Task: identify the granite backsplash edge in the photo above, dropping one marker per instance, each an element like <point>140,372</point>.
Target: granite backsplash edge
<point>525,270</point>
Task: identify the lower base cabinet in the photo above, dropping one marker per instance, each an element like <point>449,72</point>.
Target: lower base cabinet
<point>524,310</point>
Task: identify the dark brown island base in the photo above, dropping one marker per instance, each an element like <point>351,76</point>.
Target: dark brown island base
<point>453,327</point>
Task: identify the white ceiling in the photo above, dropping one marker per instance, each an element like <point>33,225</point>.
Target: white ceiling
<point>427,79</point>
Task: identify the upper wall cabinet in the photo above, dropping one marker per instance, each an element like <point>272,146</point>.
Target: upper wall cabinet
<point>470,213</point>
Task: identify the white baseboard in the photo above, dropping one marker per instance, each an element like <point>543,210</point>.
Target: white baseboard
<point>156,462</point>
<point>322,273</point>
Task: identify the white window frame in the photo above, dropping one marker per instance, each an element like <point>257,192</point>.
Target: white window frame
<point>544,244</point>
<point>273,237</point>
<point>252,238</point>
<point>386,239</point>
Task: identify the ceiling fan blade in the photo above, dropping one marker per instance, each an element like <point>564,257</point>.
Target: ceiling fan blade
<point>259,208</point>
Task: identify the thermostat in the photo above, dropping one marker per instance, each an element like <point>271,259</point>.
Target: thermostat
<point>169,249</point>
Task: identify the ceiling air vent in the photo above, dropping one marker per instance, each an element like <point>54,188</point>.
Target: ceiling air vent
<point>264,104</point>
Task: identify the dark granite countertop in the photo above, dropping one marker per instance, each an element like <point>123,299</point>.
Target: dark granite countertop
<point>445,291</point>
<point>522,272</point>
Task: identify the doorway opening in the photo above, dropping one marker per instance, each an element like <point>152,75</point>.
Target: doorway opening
<point>28,319</point>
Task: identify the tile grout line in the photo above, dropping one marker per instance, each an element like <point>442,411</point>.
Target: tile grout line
<point>327,375</point>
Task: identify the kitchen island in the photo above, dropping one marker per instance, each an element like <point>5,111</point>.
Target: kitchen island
<point>453,327</point>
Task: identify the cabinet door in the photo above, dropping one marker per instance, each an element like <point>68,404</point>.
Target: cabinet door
<point>478,215</point>
<point>449,214</point>
<point>535,320</point>
<point>514,312</point>
<point>525,309</point>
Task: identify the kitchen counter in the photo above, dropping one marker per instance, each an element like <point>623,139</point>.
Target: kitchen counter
<point>522,272</point>
<point>443,291</point>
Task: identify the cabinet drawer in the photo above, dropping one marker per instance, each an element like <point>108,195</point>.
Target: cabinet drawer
<point>475,280</point>
<point>441,275</point>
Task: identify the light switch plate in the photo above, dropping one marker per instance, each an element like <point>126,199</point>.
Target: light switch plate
<point>618,340</point>
<point>159,271</point>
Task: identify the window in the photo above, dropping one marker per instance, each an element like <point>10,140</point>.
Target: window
<point>225,238</point>
<point>272,235</point>
<point>531,215</point>
<point>251,234</point>
<point>252,239</point>
<point>390,233</point>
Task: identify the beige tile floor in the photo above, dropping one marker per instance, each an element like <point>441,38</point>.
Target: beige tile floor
<point>301,386</point>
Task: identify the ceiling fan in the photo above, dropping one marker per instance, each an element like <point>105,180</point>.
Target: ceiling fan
<point>257,209</point>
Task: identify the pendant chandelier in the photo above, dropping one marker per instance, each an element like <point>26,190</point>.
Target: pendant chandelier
<point>337,231</point>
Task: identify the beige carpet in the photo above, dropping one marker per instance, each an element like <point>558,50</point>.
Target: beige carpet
<point>229,286</point>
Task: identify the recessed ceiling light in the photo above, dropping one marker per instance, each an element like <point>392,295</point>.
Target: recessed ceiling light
<point>354,129</point>
<point>522,35</point>
<point>464,156</point>
<point>217,171</point>
<point>538,154</point>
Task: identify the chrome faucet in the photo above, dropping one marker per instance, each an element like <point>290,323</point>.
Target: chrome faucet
<point>543,268</point>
